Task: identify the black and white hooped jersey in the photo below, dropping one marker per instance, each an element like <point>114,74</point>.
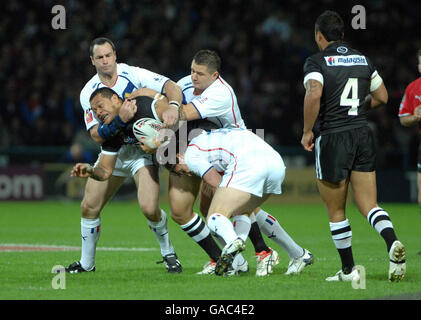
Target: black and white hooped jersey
<point>347,77</point>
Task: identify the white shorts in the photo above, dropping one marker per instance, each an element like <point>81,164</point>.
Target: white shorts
<point>130,159</point>
<point>247,175</point>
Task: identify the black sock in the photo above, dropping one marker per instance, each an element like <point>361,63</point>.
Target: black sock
<point>256,238</point>
<point>389,237</point>
<point>380,220</point>
<point>200,233</point>
<point>347,259</point>
<point>212,249</point>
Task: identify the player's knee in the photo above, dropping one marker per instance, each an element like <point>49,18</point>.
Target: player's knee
<point>182,217</point>
<point>150,210</point>
<point>88,210</point>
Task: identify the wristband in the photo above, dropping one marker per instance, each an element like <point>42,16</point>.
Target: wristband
<point>174,103</point>
<point>107,131</point>
<point>89,169</point>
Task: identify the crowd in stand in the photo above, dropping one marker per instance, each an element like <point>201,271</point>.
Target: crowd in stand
<point>263,46</point>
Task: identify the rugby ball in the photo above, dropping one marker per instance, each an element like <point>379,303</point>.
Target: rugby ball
<point>146,130</point>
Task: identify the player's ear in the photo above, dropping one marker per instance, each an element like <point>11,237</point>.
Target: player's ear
<point>92,60</point>
<point>115,98</point>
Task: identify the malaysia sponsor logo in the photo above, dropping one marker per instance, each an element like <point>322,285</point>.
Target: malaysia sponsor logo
<point>346,61</point>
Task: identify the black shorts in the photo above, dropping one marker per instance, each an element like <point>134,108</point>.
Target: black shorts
<point>419,158</point>
<point>339,153</point>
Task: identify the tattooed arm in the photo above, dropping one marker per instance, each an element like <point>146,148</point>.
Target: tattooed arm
<point>312,97</point>
<point>188,112</point>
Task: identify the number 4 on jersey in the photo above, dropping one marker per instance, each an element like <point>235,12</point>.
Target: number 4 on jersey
<point>351,86</point>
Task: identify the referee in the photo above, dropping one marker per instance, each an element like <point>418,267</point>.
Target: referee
<point>341,86</point>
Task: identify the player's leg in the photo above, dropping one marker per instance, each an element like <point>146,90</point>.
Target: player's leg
<point>97,194</point>
<point>365,194</point>
<point>182,193</point>
<point>225,203</point>
<point>334,196</point>
<point>363,181</point>
<point>335,153</point>
<point>299,257</point>
<point>147,182</point>
<point>239,265</point>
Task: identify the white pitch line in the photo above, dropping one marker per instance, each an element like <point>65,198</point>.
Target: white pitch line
<point>15,247</point>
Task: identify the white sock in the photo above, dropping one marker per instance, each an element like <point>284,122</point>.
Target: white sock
<point>160,230</point>
<point>222,226</point>
<point>273,230</point>
<point>238,260</point>
<point>242,225</point>
<point>90,231</point>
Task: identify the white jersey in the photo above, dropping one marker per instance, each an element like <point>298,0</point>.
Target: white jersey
<point>129,79</point>
<point>247,162</point>
<point>217,103</point>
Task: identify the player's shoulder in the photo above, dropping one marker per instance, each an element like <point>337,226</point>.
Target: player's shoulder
<point>126,70</point>
<point>185,82</point>
<point>90,86</point>
<point>414,85</point>
<point>219,86</point>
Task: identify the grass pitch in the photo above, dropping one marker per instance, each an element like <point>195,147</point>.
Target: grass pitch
<point>134,275</point>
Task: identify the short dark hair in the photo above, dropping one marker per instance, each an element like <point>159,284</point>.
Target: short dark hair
<point>99,41</point>
<point>331,25</point>
<point>209,58</point>
<point>104,91</point>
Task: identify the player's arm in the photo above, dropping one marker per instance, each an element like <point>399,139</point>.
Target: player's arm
<point>101,172</point>
<point>411,119</point>
<point>378,94</point>
<point>174,94</point>
<point>189,112</point>
<point>314,90</point>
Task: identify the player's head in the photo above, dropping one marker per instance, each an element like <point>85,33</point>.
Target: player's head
<point>419,60</point>
<point>205,68</point>
<point>329,27</point>
<point>103,56</point>
<point>105,103</point>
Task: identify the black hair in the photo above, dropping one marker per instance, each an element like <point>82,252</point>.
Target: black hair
<point>208,58</point>
<point>331,25</point>
<point>99,41</point>
<point>105,92</point>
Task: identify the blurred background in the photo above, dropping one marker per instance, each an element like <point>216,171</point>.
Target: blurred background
<point>263,46</point>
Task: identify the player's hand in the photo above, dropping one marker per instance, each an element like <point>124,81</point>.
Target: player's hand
<point>128,110</point>
<point>307,141</point>
<point>170,117</point>
<point>81,170</point>
<point>417,112</point>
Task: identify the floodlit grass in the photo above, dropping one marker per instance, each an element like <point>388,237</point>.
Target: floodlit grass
<point>136,276</point>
